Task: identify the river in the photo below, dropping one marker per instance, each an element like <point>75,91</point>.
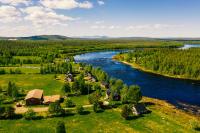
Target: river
<point>181,93</point>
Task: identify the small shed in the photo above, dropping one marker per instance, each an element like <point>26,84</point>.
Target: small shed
<point>51,99</point>
<point>34,97</point>
<point>139,109</point>
<point>104,85</point>
<point>69,77</point>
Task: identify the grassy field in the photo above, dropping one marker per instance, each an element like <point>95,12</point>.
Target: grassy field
<point>163,118</point>
<point>34,81</point>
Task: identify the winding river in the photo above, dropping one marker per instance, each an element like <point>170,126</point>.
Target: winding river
<point>181,93</point>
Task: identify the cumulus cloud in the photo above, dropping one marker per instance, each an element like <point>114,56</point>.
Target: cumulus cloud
<point>9,14</point>
<point>66,4</point>
<point>100,2</point>
<point>152,26</point>
<point>41,16</point>
<point>111,27</point>
<point>16,2</point>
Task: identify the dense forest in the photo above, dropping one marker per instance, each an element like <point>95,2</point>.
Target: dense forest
<point>170,62</point>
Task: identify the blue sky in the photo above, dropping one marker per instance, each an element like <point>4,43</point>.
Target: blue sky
<point>117,18</point>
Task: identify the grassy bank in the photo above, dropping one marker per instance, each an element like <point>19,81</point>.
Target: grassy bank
<point>173,63</point>
<point>136,66</point>
<point>163,118</point>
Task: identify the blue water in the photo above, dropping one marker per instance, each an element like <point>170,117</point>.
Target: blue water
<point>187,46</point>
<point>155,86</point>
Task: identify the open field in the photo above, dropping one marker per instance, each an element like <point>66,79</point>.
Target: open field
<point>163,118</point>
<point>34,81</point>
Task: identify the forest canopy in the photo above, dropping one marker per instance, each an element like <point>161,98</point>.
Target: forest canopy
<point>172,62</point>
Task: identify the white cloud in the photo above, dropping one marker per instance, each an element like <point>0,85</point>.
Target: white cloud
<point>9,14</point>
<point>99,22</point>
<point>98,27</point>
<point>111,27</point>
<point>100,2</point>
<point>66,4</point>
<point>41,16</point>
<point>16,2</point>
<point>160,26</point>
<point>152,26</point>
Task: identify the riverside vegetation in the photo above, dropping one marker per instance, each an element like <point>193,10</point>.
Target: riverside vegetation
<point>175,63</point>
<point>26,65</point>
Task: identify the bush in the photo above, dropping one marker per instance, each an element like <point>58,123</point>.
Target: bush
<point>7,112</point>
<point>80,109</point>
<point>194,125</point>
<point>66,88</point>
<point>55,108</point>
<point>125,111</point>
<point>60,127</point>
<point>69,103</point>
<point>94,97</point>
<point>96,107</point>
<point>30,115</point>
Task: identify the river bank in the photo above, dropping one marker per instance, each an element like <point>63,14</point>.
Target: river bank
<point>191,109</point>
<point>136,66</point>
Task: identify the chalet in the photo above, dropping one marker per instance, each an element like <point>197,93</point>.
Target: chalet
<point>116,96</point>
<point>51,99</point>
<point>81,68</point>
<point>34,97</point>
<point>69,77</point>
<point>108,92</point>
<point>104,85</point>
<point>90,77</point>
<point>139,109</point>
<point>67,60</point>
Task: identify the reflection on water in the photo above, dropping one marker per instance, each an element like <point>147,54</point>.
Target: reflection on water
<point>187,46</point>
<point>172,90</point>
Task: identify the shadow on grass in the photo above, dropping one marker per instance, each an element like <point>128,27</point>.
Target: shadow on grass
<point>85,113</point>
<point>134,117</point>
<point>100,111</point>
<point>148,103</point>
<point>197,129</point>
<point>69,114</point>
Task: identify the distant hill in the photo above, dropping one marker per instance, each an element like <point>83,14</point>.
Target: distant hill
<point>40,37</point>
<point>59,37</point>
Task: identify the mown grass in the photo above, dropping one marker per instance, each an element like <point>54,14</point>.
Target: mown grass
<point>34,81</point>
<point>23,69</point>
<point>163,118</point>
<point>27,57</point>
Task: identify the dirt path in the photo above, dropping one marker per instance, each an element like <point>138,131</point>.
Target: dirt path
<point>22,110</point>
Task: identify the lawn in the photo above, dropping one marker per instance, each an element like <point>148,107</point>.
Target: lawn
<point>34,81</point>
<point>23,69</point>
<point>163,118</point>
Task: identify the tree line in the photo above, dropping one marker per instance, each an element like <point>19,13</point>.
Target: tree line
<point>172,62</point>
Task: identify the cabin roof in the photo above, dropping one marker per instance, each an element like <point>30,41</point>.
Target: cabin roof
<point>36,93</point>
<point>52,98</point>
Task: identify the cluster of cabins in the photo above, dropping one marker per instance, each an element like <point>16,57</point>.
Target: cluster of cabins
<point>36,97</point>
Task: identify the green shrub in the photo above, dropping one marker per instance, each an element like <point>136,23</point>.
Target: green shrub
<point>80,109</point>
<point>60,127</point>
<point>96,107</point>
<point>7,112</point>
<point>69,103</point>
<point>125,111</point>
<point>30,115</point>
<point>55,108</point>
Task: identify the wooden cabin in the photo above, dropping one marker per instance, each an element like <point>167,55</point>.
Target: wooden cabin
<point>139,109</point>
<point>34,97</point>
<point>69,77</point>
